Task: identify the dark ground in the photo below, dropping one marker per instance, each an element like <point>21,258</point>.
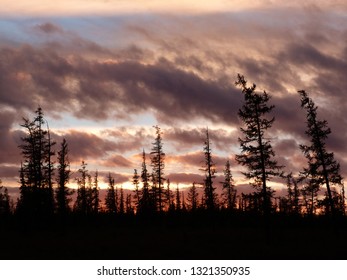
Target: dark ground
<point>189,238</point>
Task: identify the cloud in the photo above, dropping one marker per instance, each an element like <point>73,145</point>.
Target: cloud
<point>118,177</point>
<point>102,87</point>
<point>185,178</point>
<point>196,161</point>
<point>8,172</point>
<point>48,28</point>
<point>133,139</point>
<point>181,69</point>
<point>118,161</point>
<point>10,139</point>
<point>84,145</point>
<point>221,139</point>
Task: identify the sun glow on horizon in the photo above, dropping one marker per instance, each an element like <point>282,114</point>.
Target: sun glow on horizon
<point>82,7</point>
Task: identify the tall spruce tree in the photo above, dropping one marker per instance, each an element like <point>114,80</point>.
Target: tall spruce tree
<point>121,201</point>
<point>229,191</point>
<point>145,202</point>
<point>95,201</point>
<point>5,208</point>
<point>63,193</point>
<point>322,168</point>
<point>49,170</point>
<point>36,190</point>
<point>184,207</point>
<point>256,150</point>
<point>136,183</point>
<point>343,200</point>
<point>110,199</point>
<point>210,170</point>
<point>293,194</point>
<point>82,201</point>
<point>193,198</point>
<point>157,160</point>
<point>128,204</point>
<point>178,199</point>
<point>169,196</point>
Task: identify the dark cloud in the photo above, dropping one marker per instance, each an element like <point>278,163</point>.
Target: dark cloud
<point>8,172</point>
<point>185,178</point>
<point>194,159</point>
<point>84,145</point>
<point>48,28</point>
<point>10,139</point>
<point>101,87</point>
<point>287,147</point>
<point>118,161</point>
<point>244,189</point>
<point>118,178</point>
<point>221,139</point>
<point>161,87</point>
<point>129,139</point>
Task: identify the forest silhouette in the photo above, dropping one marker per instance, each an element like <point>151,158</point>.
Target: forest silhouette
<point>156,221</point>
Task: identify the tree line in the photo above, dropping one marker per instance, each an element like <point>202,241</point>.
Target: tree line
<point>44,183</point>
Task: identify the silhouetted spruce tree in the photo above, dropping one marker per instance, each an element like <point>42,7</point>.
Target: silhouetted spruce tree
<point>157,160</point>
<point>296,206</point>
<point>322,168</point>
<point>121,201</point>
<point>24,200</point>
<point>117,199</point>
<point>293,195</point>
<point>184,207</point>
<point>256,151</point>
<point>128,204</point>
<point>242,202</point>
<point>202,202</point>
<point>169,196</point>
<point>153,193</point>
<point>81,204</point>
<point>36,190</point>
<point>210,196</point>
<point>252,202</point>
<point>49,171</point>
<point>178,199</point>
<point>283,206</point>
<point>145,203</point>
<point>63,193</point>
<point>286,203</point>
<point>110,199</point>
<point>136,183</point>
<point>5,208</point>
<point>310,196</point>
<point>343,199</point>
<point>95,194</point>
<point>324,204</point>
<point>229,192</point>
<point>193,198</point>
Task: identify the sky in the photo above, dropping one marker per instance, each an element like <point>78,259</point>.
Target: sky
<point>105,72</point>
